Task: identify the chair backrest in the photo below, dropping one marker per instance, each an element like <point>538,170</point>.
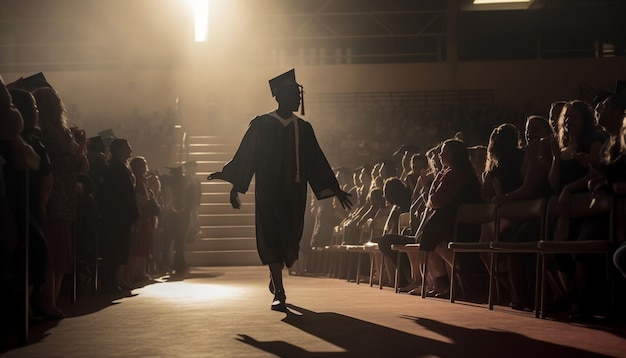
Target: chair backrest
<point>582,205</point>
<point>476,213</point>
<point>473,213</point>
<point>521,211</point>
<point>404,221</point>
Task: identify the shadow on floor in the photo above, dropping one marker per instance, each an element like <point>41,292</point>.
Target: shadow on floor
<point>360,338</point>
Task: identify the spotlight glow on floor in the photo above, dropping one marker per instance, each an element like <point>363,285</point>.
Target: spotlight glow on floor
<point>182,291</point>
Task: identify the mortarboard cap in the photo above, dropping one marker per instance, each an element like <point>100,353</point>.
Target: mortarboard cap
<point>107,136</point>
<point>96,144</point>
<point>175,169</point>
<point>286,79</point>
<point>31,83</point>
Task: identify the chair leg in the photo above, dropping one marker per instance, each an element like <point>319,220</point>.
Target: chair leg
<point>380,271</point>
<point>397,275</point>
<point>372,262</point>
<point>358,267</point>
<point>349,268</point>
<point>491,280</point>
<point>538,271</point>
<point>542,313</point>
<point>452,276</point>
<point>424,268</point>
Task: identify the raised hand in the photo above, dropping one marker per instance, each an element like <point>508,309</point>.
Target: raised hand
<point>344,199</point>
<point>216,175</point>
<point>234,199</point>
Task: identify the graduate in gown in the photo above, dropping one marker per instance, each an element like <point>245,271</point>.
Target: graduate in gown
<point>281,151</point>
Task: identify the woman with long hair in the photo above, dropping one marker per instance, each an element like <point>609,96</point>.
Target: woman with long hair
<point>454,184</point>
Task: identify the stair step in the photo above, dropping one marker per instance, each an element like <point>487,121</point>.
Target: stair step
<point>225,198</point>
<point>230,219</point>
<point>223,244</point>
<point>228,235</point>
<point>223,258</point>
<point>228,231</point>
<point>219,186</point>
<point>224,208</point>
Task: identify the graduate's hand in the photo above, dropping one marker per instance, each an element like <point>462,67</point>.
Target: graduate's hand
<point>216,175</point>
<point>344,199</point>
<point>234,199</point>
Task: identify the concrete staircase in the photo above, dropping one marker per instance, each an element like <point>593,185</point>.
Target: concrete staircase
<point>228,237</point>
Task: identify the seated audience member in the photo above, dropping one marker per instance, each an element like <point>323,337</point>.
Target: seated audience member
<point>456,183</point>
<point>399,197</point>
<point>534,169</point>
<point>578,148</point>
<point>418,164</point>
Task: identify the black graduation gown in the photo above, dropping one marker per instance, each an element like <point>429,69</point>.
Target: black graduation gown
<point>267,151</point>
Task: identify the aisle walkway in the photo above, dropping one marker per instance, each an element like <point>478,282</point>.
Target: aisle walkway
<point>224,312</point>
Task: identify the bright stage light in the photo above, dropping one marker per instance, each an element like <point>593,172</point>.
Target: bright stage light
<point>201,19</point>
<point>483,2</point>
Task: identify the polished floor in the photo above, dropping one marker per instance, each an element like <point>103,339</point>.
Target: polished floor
<point>225,312</point>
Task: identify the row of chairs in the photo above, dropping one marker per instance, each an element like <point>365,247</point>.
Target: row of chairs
<point>543,247</point>
<point>542,210</point>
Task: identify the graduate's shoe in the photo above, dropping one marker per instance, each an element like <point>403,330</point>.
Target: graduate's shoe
<point>279,303</point>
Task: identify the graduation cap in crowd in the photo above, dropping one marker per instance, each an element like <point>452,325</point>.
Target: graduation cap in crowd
<point>107,137</point>
<point>190,166</point>
<point>31,83</point>
<point>96,145</point>
<point>175,169</point>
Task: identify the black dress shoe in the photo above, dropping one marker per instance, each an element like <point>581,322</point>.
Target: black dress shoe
<point>443,294</point>
<point>279,303</point>
<point>439,293</point>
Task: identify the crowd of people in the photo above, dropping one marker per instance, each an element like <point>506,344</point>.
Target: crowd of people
<point>78,199</point>
<point>577,147</point>
<point>81,204</point>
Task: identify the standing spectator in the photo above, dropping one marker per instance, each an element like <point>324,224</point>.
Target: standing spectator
<point>40,186</point>
<point>193,195</point>
<point>119,215</point>
<point>141,246</point>
<point>68,157</point>
<point>175,219</point>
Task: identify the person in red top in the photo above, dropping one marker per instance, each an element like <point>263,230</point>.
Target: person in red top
<point>456,183</point>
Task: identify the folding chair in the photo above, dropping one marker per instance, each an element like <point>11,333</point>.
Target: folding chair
<point>579,208</point>
<point>469,213</point>
<point>518,211</point>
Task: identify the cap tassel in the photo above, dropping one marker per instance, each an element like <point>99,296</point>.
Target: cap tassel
<point>301,101</point>
<point>297,144</point>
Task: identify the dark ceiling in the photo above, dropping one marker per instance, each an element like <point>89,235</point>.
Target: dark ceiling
<point>79,34</point>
